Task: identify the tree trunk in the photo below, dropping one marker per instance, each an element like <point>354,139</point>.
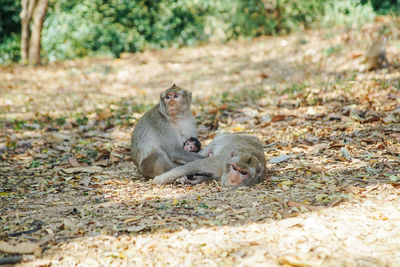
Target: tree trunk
<point>26,16</point>
<point>38,18</point>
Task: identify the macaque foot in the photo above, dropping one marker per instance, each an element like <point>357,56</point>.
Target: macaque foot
<point>189,179</point>
<point>181,180</point>
<point>194,179</point>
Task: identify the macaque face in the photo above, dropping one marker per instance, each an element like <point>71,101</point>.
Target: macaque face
<point>173,102</point>
<point>190,146</point>
<point>242,170</point>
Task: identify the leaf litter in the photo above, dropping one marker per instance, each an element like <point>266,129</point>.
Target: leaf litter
<point>330,132</point>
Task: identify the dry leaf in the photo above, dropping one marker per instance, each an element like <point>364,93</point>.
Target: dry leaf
<point>21,248</point>
<point>301,205</point>
<point>74,162</point>
<point>345,153</point>
<point>136,228</point>
<point>279,159</point>
<point>277,118</point>
<point>89,169</point>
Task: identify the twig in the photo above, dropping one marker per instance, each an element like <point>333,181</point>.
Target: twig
<point>188,214</point>
<point>11,259</point>
<point>36,224</point>
<point>301,205</point>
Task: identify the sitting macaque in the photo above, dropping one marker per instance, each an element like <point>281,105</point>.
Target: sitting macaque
<point>192,144</point>
<point>156,144</point>
<point>238,159</point>
<point>375,56</point>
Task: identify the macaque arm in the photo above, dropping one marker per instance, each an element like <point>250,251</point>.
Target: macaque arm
<point>181,156</point>
<point>207,167</point>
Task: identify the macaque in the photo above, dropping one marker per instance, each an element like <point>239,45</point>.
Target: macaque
<point>375,56</point>
<point>238,159</point>
<point>156,144</point>
<point>192,144</point>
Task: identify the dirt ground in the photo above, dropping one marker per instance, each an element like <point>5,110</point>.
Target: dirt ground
<point>70,194</point>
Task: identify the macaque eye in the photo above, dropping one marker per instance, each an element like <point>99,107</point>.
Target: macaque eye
<point>167,96</point>
<point>233,167</point>
<point>243,172</point>
<point>176,95</point>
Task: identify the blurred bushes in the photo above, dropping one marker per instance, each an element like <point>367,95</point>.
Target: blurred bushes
<point>349,13</point>
<point>90,27</point>
<point>384,6</point>
<point>9,31</point>
<point>10,49</point>
<point>116,26</point>
<point>255,17</point>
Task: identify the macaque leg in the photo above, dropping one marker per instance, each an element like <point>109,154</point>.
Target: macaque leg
<point>205,167</point>
<point>155,164</point>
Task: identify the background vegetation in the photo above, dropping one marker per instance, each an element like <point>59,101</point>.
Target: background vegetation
<point>91,27</point>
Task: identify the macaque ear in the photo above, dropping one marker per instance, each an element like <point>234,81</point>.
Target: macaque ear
<point>260,169</point>
<point>162,96</point>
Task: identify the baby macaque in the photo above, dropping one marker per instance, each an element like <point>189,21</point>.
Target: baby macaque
<point>192,144</point>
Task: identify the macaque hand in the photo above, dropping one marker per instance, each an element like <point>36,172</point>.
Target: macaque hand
<point>160,179</point>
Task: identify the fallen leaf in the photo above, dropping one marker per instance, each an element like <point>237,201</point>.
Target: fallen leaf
<point>301,205</point>
<point>102,162</point>
<point>57,137</point>
<point>215,110</point>
<point>279,159</point>
<point>104,114</point>
<point>277,118</point>
<point>74,162</point>
<point>316,149</point>
<point>21,248</point>
<point>345,153</point>
<point>89,169</point>
<point>85,181</point>
<point>136,228</point>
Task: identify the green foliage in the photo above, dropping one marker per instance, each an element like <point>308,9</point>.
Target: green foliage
<point>333,50</point>
<point>295,88</point>
<point>35,164</point>
<point>347,12</point>
<point>82,120</point>
<point>257,17</point>
<point>9,31</point>
<point>9,18</point>
<point>112,27</point>
<point>10,49</point>
<point>384,6</point>
<point>60,121</point>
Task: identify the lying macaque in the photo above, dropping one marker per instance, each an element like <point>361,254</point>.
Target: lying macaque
<point>237,159</point>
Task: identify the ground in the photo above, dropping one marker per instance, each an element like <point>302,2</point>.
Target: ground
<point>70,194</point>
